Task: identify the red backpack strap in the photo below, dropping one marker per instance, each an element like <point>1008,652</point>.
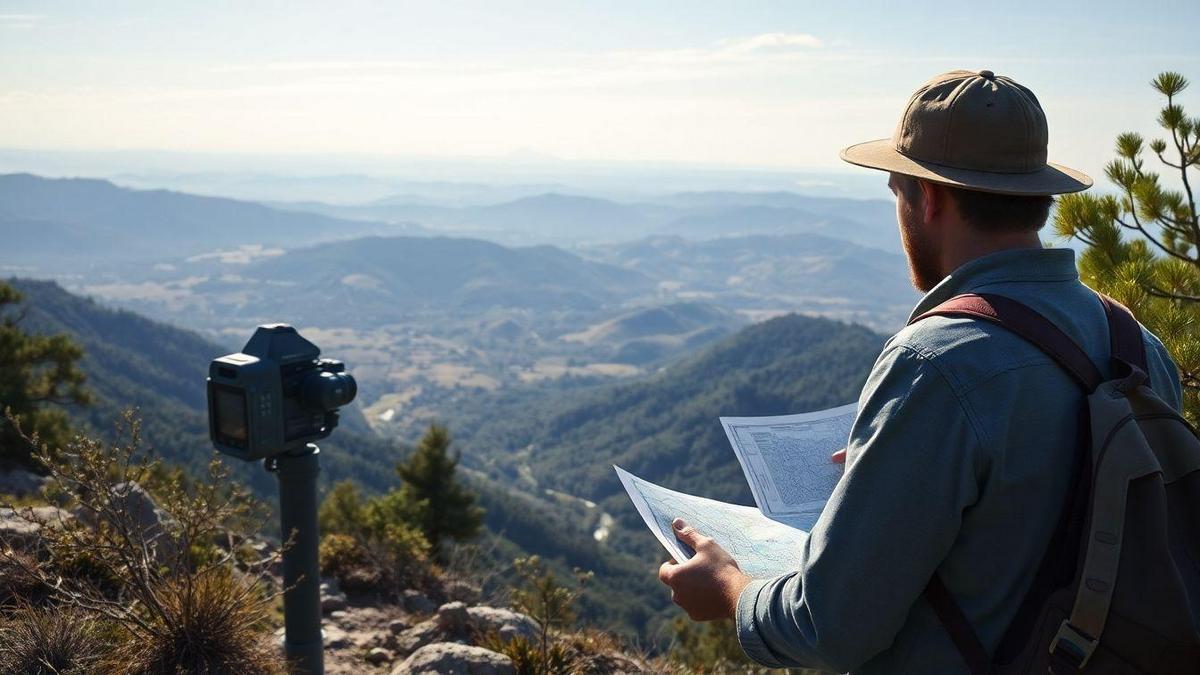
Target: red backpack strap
<point>1034,328</point>
<point>1125,333</point>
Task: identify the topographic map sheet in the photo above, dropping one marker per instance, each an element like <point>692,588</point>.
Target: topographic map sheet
<point>787,463</point>
<point>786,460</point>
<point>762,547</point>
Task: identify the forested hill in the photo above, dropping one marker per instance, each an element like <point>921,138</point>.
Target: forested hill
<point>665,428</point>
<point>133,362</point>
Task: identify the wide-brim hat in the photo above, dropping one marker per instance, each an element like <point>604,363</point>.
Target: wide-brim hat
<point>972,130</point>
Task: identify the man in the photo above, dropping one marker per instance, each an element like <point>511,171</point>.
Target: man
<point>961,455</point>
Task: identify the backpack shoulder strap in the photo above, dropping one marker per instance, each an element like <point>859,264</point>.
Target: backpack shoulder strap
<point>1043,334</point>
<point>1033,327</point>
<point>1125,334</point>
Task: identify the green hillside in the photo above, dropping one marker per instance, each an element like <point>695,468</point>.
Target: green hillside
<point>133,362</point>
<point>665,428</point>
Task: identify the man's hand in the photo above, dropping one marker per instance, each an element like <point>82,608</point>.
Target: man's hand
<point>707,586</point>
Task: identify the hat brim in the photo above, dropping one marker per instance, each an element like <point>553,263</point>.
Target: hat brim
<point>1052,180</point>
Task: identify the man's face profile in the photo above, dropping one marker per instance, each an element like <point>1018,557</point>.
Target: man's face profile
<point>920,249</point>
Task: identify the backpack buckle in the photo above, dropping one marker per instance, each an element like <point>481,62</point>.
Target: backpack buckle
<point>1072,647</point>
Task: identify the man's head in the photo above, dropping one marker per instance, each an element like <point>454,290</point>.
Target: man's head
<point>968,166</point>
<point>935,219</point>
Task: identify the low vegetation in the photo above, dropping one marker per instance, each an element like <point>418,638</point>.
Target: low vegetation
<point>140,572</point>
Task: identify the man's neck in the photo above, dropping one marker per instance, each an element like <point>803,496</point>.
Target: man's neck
<point>963,249</point>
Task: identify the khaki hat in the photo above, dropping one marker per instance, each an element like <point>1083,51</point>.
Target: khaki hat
<point>973,130</point>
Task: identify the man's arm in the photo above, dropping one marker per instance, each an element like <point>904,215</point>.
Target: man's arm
<point>913,465</point>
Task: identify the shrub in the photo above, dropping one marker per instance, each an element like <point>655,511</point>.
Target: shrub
<point>36,641</point>
<point>19,583</point>
<point>349,562</point>
<point>373,545</point>
<point>212,623</point>
<point>175,601</point>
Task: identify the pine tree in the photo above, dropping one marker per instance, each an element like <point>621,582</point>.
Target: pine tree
<point>37,373</point>
<point>1156,270</point>
<point>445,509</point>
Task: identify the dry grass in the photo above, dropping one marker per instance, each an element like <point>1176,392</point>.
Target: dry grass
<point>172,589</point>
<point>37,641</point>
<point>210,624</point>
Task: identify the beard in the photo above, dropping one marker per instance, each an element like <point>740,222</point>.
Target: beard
<point>924,258</point>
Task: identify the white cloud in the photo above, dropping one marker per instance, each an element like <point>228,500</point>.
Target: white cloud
<point>771,41</point>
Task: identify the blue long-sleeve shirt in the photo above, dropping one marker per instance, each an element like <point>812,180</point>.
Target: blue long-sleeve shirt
<point>958,463</point>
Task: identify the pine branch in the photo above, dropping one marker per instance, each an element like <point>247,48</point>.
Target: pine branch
<point>1160,293</point>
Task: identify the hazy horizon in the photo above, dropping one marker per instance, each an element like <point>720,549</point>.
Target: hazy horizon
<point>759,87</point>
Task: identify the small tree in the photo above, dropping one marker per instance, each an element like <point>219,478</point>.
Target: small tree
<point>444,508</point>
<point>1156,271</point>
<point>35,370</point>
<point>549,602</point>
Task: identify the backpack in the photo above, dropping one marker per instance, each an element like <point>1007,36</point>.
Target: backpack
<point>1118,589</point>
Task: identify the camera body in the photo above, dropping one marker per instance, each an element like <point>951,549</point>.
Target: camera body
<point>275,396</point>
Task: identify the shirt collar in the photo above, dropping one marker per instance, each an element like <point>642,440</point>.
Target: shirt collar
<point>1023,264</point>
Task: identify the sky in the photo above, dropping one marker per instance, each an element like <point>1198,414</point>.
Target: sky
<point>730,84</point>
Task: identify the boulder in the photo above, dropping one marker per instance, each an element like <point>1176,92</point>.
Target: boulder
<point>452,617</point>
<point>336,638</point>
<point>20,527</point>
<point>494,619</point>
<point>333,603</point>
<point>379,656</point>
<point>397,626</point>
<point>144,513</point>
<point>420,635</point>
<point>448,658</point>
<point>418,603</point>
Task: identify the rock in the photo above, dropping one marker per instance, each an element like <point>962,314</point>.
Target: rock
<point>333,603</point>
<point>447,658</point>
<point>336,638</point>
<point>21,527</point>
<point>21,483</point>
<point>452,617</point>
<point>418,636</point>
<point>379,656</point>
<point>133,500</point>
<point>463,592</point>
<point>418,603</point>
<point>509,632</point>
<point>397,626</point>
<point>494,619</point>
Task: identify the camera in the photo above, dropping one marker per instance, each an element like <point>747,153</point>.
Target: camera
<point>275,396</point>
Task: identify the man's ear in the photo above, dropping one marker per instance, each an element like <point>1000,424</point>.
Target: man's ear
<point>933,200</point>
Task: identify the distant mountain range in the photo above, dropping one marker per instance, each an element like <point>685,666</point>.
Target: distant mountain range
<point>565,218</point>
<point>810,273</point>
<point>55,226</point>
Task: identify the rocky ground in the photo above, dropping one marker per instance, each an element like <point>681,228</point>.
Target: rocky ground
<point>421,637</point>
<point>413,636</point>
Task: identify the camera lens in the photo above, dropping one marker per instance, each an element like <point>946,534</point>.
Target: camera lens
<point>328,391</point>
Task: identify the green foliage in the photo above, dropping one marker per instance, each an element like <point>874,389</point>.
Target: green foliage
<point>374,544</point>
<point>531,659</point>
<point>541,596</point>
<point>1156,270</point>
<point>36,371</point>
<point>706,647</point>
<point>444,508</point>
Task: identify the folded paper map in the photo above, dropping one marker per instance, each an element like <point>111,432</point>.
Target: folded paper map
<point>787,463</point>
